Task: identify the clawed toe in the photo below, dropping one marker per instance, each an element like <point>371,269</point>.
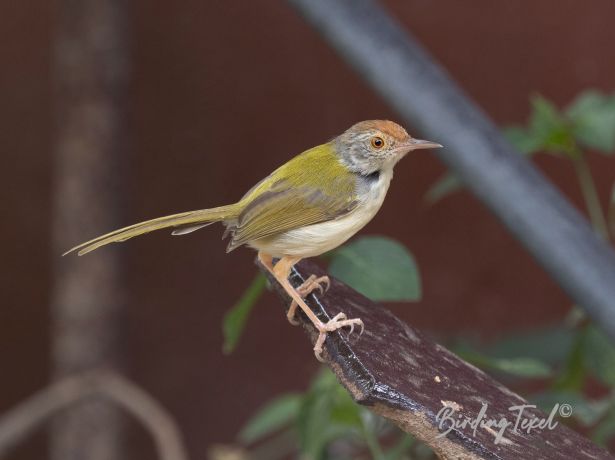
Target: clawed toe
<point>326,281</point>
<point>291,315</point>
<point>337,322</point>
<point>313,283</point>
<point>338,317</point>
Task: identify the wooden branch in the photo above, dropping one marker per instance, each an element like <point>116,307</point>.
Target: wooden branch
<point>404,376</point>
<point>21,421</point>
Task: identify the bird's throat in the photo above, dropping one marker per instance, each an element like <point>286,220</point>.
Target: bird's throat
<point>373,177</point>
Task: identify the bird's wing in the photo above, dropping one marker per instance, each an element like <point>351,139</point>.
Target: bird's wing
<point>311,188</point>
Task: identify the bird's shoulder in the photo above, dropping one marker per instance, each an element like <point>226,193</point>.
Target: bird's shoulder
<point>316,169</point>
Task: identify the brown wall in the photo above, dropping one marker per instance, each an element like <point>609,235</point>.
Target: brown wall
<point>221,93</point>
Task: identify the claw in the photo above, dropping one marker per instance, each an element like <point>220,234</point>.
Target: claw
<point>338,317</point>
<point>360,324</point>
<point>337,322</point>
<point>291,316</point>
<point>312,283</point>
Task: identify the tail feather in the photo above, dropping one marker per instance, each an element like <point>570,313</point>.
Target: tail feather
<point>193,219</point>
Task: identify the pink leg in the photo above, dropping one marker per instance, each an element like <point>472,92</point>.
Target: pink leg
<point>308,286</point>
<point>280,271</point>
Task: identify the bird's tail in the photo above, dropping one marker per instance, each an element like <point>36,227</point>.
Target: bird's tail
<point>186,221</point>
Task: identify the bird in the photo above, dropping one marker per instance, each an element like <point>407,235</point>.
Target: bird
<point>308,206</point>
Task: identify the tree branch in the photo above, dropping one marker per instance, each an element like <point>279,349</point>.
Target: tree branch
<point>20,422</point>
<point>401,374</point>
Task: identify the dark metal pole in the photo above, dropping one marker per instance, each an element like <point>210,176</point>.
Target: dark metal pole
<point>402,72</point>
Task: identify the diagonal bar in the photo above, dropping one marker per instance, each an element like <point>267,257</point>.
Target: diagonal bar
<point>402,72</point>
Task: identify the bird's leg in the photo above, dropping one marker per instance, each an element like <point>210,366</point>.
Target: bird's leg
<point>280,272</point>
<point>308,286</point>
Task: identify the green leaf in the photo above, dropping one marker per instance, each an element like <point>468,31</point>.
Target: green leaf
<point>545,116</point>
<point>524,140</point>
<point>549,129</point>
<point>379,268</point>
<point>444,186</point>
<point>521,367</point>
<point>573,373</point>
<point>275,415</point>
<point>605,430</point>
<point>401,448</point>
<point>370,434</point>
<point>586,411</point>
<point>327,414</point>
<point>518,366</point>
<point>235,319</point>
<point>600,355</point>
<point>313,423</point>
<point>344,410</point>
<point>550,345</point>
<point>593,116</point>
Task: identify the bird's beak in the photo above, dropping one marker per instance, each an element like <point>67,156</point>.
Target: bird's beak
<point>416,144</point>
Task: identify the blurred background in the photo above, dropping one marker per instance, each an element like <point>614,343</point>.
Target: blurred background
<point>215,95</point>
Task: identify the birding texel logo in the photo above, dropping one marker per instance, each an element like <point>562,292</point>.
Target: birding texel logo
<point>523,418</point>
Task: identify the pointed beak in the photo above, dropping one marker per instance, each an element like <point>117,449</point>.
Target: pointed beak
<point>416,144</point>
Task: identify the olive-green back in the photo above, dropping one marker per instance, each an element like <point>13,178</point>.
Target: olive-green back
<point>313,187</point>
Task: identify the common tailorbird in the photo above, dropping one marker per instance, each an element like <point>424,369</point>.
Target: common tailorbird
<point>306,207</point>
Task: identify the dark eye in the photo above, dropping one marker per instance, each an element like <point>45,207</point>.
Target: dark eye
<point>377,142</point>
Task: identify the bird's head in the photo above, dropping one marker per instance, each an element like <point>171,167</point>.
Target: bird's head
<point>373,145</point>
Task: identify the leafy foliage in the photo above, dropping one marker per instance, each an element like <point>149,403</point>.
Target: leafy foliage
<point>379,268</point>
<point>600,356</point>
<point>274,416</point>
<point>592,117</point>
<point>589,121</point>
<point>444,186</point>
<point>321,417</point>
<point>586,411</point>
<point>518,366</point>
<point>236,318</point>
<point>550,345</point>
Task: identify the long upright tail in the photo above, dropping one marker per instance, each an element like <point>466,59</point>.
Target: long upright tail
<point>191,220</point>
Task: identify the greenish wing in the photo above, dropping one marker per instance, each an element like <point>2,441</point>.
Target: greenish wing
<point>286,206</point>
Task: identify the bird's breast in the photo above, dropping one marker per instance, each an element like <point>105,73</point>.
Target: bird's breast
<point>316,239</point>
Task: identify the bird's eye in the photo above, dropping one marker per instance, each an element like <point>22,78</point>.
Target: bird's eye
<point>377,142</point>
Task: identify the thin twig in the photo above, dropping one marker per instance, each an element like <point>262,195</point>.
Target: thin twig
<point>590,195</point>
<point>148,412</point>
<point>20,422</point>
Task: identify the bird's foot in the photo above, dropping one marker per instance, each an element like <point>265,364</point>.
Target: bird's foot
<point>337,322</point>
<point>308,286</point>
